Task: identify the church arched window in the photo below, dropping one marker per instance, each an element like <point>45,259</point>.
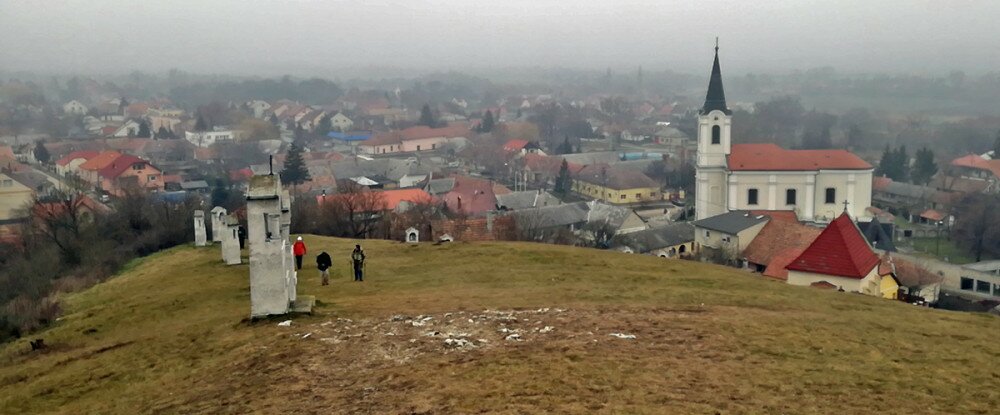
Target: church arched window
<point>716,134</point>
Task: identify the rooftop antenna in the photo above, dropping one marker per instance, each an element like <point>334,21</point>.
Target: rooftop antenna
<point>270,165</point>
<point>716,44</point>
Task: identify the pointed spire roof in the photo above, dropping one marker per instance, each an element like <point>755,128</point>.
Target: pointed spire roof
<point>839,250</point>
<point>715,99</point>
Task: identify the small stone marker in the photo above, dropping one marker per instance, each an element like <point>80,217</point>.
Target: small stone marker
<point>229,234</point>
<point>199,228</point>
<point>218,223</point>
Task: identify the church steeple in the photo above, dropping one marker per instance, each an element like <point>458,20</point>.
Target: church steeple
<point>716,97</point>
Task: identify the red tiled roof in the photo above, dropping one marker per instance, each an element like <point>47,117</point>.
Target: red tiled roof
<point>880,183</point>
<point>776,268</point>
<point>471,196</point>
<point>100,161</point>
<point>931,214</point>
<point>241,175</point>
<point>119,165</point>
<point>976,162</point>
<point>515,144</point>
<point>106,131</point>
<point>416,133</point>
<point>779,236</point>
<point>83,154</point>
<point>782,215</point>
<point>767,156</point>
<point>549,165</point>
<point>475,229</point>
<point>393,198</point>
<point>614,178</point>
<point>839,250</point>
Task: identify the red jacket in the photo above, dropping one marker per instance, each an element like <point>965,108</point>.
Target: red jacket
<point>299,248</point>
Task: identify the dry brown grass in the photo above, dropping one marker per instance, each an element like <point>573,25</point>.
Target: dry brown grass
<point>168,337</point>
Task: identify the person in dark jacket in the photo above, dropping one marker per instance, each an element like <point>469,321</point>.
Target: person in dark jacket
<point>324,263</point>
<point>358,259</point>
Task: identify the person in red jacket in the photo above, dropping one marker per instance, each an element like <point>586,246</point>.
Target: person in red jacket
<point>299,250</point>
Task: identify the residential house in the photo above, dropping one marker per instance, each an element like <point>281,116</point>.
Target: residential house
<point>74,107</point>
<point>259,108</point>
<point>616,185</point>
<point>208,138</point>
<point>671,241</point>
<point>411,180</point>
<point>88,170</point>
<point>725,236</point>
<point>14,198</point>
<point>470,196</point>
<point>841,256</point>
<point>775,240</point>
<point>621,220</point>
<point>71,163</point>
<point>414,139</point>
<point>490,228</point>
<point>522,147</point>
<point>130,128</point>
<point>879,235</point>
<point>542,171</point>
<point>341,123</point>
<point>526,199</point>
<point>553,224</point>
<point>916,283</point>
<point>906,197</point>
<point>129,171</point>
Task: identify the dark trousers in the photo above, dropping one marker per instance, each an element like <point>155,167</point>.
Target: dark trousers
<point>298,262</point>
<point>358,273</point>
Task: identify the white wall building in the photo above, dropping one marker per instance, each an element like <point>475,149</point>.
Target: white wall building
<point>75,107</point>
<point>815,184</point>
<point>207,138</point>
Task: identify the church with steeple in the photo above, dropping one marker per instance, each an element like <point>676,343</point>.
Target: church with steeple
<point>818,185</point>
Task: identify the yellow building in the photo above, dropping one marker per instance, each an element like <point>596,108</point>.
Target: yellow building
<point>616,186</point>
<point>14,197</point>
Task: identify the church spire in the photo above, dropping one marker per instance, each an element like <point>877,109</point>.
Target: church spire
<point>716,97</point>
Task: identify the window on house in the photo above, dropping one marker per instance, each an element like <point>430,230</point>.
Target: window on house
<point>983,287</point>
<point>708,233</point>
<point>137,166</point>
<point>7,183</point>
<point>433,146</point>
<point>652,194</point>
<point>638,195</point>
<point>716,134</point>
<point>967,283</point>
<point>790,197</point>
<point>151,178</point>
<point>831,195</point>
<point>622,197</point>
<point>418,148</point>
<point>996,290</point>
<point>751,196</point>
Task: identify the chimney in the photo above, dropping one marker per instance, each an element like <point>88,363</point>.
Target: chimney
<point>270,165</point>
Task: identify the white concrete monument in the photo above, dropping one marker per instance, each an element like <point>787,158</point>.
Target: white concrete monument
<point>229,232</point>
<point>199,228</point>
<point>412,235</point>
<point>269,280</point>
<point>218,223</point>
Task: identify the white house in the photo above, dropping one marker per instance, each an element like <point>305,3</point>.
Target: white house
<point>259,108</point>
<point>340,122</point>
<point>129,129</point>
<point>75,107</point>
<point>815,184</point>
<point>207,138</point>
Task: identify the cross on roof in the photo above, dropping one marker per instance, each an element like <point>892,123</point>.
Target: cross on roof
<point>845,205</point>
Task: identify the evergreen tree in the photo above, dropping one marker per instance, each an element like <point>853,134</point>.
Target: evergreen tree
<point>323,127</point>
<point>488,123</point>
<point>924,168</point>
<point>273,119</point>
<point>42,153</point>
<point>565,147</point>
<point>200,124</point>
<point>902,164</point>
<point>295,171</point>
<point>427,117</point>
<point>162,133</point>
<point>143,130</point>
<point>519,113</point>
<point>563,181</point>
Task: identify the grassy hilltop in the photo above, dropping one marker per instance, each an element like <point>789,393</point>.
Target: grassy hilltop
<point>497,328</point>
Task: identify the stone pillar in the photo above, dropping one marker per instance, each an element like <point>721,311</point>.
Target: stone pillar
<point>199,228</point>
<point>218,223</point>
<point>412,235</point>
<point>269,278</point>
<point>229,233</point>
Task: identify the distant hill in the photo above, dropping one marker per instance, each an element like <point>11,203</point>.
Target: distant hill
<point>497,327</point>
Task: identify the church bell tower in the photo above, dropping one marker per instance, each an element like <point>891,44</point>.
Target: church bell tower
<point>714,142</point>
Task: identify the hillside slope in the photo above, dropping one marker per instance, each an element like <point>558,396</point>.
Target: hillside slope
<point>169,336</point>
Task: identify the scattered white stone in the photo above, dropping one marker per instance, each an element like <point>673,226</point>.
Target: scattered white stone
<point>513,337</point>
<point>472,321</point>
<point>417,323</point>
<point>390,334</point>
<point>458,343</point>
<point>483,341</point>
<point>623,335</point>
<point>307,335</point>
<point>326,323</point>
<point>546,329</point>
<point>432,333</point>
<point>285,323</point>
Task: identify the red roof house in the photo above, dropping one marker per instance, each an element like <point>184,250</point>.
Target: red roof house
<point>777,237</point>
<point>839,255</point>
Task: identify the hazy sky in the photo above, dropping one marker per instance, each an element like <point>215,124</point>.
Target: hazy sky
<point>311,36</point>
